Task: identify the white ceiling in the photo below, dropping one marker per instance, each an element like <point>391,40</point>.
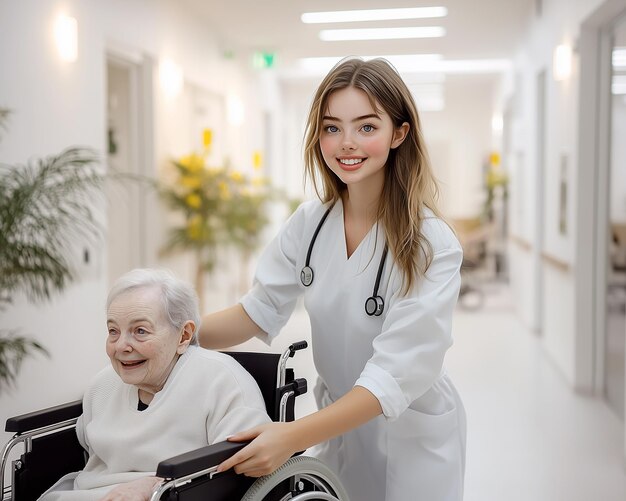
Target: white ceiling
<point>476,29</point>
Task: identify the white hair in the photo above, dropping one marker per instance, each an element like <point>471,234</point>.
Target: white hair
<point>180,301</point>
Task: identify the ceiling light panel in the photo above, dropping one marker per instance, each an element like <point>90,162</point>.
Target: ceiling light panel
<point>382,33</point>
<point>350,16</point>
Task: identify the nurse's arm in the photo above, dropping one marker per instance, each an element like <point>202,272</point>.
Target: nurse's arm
<point>227,328</point>
<point>355,408</point>
<point>274,443</point>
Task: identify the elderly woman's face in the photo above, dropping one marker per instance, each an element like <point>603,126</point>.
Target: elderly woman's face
<point>141,343</point>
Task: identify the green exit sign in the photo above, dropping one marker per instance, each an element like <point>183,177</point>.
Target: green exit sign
<point>263,60</point>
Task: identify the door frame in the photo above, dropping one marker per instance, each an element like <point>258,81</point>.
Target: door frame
<point>594,48</point>
<point>141,80</point>
<point>541,82</point>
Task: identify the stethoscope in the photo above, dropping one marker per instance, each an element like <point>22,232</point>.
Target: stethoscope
<point>374,305</point>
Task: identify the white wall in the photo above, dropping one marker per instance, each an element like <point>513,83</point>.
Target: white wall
<point>559,23</point>
<point>55,105</point>
<point>59,104</point>
<point>459,139</point>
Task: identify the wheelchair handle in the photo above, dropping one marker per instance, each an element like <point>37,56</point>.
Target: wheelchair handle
<point>300,345</point>
<point>288,353</point>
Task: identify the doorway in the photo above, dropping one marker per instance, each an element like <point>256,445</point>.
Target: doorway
<point>615,311</point>
<point>128,147</point>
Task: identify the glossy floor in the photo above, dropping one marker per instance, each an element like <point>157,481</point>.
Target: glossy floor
<point>530,437</point>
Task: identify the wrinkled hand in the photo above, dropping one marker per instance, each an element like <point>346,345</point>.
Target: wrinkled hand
<point>137,490</point>
<point>271,446</point>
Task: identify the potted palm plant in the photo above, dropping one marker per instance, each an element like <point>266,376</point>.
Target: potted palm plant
<point>46,207</point>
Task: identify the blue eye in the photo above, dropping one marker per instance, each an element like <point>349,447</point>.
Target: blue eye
<point>141,331</point>
<point>331,128</point>
<point>368,128</point>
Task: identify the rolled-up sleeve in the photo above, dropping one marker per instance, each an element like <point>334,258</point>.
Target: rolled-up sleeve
<point>416,333</point>
<point>272,298</point>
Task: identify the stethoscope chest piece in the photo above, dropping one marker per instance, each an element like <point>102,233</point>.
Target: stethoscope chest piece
<point>306,276</point>
<point>374,306</point>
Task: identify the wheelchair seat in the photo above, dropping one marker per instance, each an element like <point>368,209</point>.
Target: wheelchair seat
<point>51,450</point>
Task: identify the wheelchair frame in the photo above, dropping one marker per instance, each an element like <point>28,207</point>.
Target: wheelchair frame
<point>186,477</point>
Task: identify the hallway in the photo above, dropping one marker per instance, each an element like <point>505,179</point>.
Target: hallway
<point>523,109</point>
<point>530,437</point>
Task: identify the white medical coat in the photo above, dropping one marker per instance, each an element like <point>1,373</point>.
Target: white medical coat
<point>416,449</point>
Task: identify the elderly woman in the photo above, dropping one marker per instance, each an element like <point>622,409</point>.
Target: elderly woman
<point>162,395</point>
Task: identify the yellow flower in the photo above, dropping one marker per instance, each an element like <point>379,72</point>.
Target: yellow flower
<point>193,163</point>
<point>259,181</point>
<point>257,160</point>
<point>236,176</point>
<point>207,137</point>
<point>494,158</point>
<point>224,190</point>
<point>193,200</point>
<point>190,182</point>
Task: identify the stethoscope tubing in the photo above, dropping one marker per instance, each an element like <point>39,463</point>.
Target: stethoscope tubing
<point>374,305</point>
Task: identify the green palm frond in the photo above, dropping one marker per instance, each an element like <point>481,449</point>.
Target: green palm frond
<point>4,116</point>
<point>46,207</point>
<point>13,350</point>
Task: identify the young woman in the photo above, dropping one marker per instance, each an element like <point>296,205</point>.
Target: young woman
<point>379,271</point>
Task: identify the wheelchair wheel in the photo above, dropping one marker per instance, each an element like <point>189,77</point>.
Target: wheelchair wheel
<point>302,478</point>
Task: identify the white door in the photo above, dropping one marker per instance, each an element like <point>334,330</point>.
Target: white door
<point>125,192</point>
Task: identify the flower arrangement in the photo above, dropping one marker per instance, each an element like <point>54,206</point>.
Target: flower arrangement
<point>220,206</point>
<point>496,180</point>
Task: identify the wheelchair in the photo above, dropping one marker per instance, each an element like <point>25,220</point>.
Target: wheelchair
<point>51,449</point>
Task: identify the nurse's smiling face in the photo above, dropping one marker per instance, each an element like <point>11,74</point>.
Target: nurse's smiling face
<point>141,343</point>
<point>356,138</point>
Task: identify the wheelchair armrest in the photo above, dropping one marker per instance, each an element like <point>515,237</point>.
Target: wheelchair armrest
<point>197,460</point>
<point>44,417</point>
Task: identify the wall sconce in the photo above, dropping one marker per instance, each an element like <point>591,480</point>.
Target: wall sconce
<point>66,36</point>
<point>171,77</point>
<point>562,62</point>
<point>497,124</point>
<point>235,113</point>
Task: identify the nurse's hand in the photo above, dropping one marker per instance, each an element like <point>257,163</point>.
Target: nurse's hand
<point>272,444</point>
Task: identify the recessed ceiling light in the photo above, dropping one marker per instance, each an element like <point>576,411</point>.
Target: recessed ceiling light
<point>382,33</point>
<point>348,16</point>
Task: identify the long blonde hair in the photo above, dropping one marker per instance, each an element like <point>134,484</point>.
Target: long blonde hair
<point>409,181</point>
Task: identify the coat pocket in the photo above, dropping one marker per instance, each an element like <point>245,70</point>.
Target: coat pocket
<point>425,456</point>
